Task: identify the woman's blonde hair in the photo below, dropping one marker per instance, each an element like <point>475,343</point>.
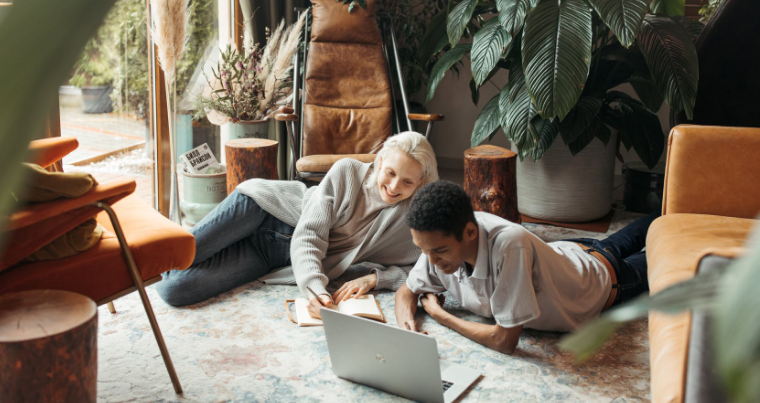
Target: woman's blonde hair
<point>416,146</point>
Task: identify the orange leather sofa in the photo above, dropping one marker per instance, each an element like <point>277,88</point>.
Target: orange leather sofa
<point>710,201</point>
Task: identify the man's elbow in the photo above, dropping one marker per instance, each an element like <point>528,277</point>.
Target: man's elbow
<point>504,340</point>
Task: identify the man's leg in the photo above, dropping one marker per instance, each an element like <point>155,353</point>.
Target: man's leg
<point>632,277</point>
<point>629,240</point>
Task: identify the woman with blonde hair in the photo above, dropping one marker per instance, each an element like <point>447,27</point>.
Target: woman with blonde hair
<point>309,236</point>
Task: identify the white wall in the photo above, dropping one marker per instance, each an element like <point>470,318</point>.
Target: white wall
<point>451,137</point>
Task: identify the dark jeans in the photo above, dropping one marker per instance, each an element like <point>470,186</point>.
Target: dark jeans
<point>623,250</point>
<point>236,243</point>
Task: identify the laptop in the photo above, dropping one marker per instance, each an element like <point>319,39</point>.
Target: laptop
<point>391,359</point>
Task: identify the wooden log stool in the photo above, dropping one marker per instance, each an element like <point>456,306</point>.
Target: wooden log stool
<point>248,159</point>
<point>48,347</point>
<point>489,180</point>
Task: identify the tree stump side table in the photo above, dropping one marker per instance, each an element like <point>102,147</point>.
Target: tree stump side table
<point>48,347</point>
<point>248,159</point>
<point>489,180</point>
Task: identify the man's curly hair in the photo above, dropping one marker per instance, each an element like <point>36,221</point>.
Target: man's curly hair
<point>441,206</point>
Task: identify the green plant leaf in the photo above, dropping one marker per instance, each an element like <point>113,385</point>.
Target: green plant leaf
<point>458,19</point>
<point>512,13</point>
<point>517,125</point>
<point>487,122</point>
<point>435,34</point>
<point>700,292</point>
<point>669,7</point>
<point>579,119</point>
<point>596,129</point>
<point>474,92</point>
<point>504,105</point>
<point>556,54</point>
<point>623,17</point>
<point>47,39</point>
<point>647,92</point>
<point>737,335</point>
<point>672,60</point>
<point>640,128</point>
<point>443,65</point>
<point>546,131</point>
<point>694,27</point>
<point>487,47</point>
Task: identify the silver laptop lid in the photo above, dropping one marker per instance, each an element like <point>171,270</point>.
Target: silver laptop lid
<point>383,356</point>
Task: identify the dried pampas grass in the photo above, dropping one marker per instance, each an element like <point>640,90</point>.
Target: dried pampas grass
<point>170,19</point>
<point>278,67</point>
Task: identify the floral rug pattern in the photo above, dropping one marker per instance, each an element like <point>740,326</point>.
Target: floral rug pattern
<point>240,347</point>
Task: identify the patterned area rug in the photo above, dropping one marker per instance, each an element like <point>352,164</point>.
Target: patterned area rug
<point>240,347</point>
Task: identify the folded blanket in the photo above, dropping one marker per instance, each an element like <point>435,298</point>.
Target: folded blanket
<point>78,240</point>
<point>42,186</point>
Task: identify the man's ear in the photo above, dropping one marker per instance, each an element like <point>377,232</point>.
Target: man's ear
<point>470,231</point>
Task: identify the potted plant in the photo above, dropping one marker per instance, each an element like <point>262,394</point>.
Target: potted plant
<point>93,74</point>
<point>565,60</point>
<point>249,84</point>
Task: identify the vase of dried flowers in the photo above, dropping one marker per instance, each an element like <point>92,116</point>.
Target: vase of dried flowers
<point>254,129</point>
<point>249,84</point>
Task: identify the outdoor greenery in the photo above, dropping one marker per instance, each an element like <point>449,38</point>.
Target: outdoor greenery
<point>564,60</point>
<point>118,54</point>
<point>708,9</point>
<point>724,294</point>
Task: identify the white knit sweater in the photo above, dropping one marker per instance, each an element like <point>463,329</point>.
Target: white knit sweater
<point>387,249</point>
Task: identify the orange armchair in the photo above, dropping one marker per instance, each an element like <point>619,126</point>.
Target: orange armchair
<point>133,251</point>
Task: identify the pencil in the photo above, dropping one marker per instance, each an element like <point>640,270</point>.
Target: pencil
<point>315,296</point>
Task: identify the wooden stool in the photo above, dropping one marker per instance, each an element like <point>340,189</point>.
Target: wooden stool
<point>489,180</point>
<point>248,159</point>
<point>48,347</point>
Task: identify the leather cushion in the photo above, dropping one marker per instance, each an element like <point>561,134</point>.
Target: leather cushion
<point>323,163</point>
<point>347,75</point>
<point>713,170</point>
<point>157,244</point>
<point>345,131</point>
<point>333,23</point>
<point>675,243</point>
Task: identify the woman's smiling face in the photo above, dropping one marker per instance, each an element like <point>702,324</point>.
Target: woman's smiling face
<point>398,177</point>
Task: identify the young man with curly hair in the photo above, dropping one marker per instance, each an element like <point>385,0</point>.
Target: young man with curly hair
<point>498,269</point>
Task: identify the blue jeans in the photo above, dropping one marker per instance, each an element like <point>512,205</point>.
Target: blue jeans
<point>623,250</point>
<point>236,243</point>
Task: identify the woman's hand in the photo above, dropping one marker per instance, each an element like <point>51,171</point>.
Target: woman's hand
<point>315,306</point>
<point>355,288</point>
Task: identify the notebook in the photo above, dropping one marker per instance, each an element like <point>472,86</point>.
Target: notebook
<point>365,306</point>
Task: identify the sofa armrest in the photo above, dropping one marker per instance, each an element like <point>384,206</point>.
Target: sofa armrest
<point>713,170</point>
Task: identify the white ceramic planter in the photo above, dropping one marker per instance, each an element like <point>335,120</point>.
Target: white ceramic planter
<point>200,194</point>
<point>566,188</point>
<point>254,129</point>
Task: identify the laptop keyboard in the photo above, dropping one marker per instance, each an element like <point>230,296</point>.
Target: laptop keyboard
<point>446,385</point>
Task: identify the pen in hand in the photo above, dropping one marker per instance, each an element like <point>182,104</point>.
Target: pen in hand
<point>316,296</point>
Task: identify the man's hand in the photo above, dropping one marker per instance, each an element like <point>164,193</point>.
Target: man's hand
<point>406,306</point>
<point>355,288</point>
<point>314,306</point>
<point>432,303</point>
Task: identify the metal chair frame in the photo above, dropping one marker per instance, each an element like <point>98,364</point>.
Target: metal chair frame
<point>295,128</point>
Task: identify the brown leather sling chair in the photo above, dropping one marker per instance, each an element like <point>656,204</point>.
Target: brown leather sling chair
<point>346,104</point>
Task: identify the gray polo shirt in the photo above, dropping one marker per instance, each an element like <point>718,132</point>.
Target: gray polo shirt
<point>518,279</point>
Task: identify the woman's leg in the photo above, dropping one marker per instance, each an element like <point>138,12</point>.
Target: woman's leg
<point>235,218</point>
<point>267,248</point>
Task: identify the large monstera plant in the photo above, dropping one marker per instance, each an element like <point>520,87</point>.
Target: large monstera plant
<point>564,58</point>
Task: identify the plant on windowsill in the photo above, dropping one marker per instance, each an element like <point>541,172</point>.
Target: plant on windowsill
<point>248,85</point>
<point>565,60</point>
<point>94,74</point>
